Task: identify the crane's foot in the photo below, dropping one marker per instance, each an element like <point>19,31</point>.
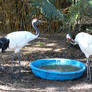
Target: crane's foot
<point>12,76</point>
<point>90,80</point>
<point>3,51</point>
<point>87,80</point>
<point>16,76</point>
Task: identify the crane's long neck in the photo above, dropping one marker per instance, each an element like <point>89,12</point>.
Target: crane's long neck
<point>37,31</point>
<point>73,42</point>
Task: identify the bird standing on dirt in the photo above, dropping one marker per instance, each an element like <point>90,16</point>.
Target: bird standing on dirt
<point>84,40</point>
<point>17,40</point>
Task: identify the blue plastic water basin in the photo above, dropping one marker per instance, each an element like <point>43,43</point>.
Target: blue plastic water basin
<point>53,75</point>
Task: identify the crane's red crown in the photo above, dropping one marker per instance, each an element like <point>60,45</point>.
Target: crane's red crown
<point>34,20</point>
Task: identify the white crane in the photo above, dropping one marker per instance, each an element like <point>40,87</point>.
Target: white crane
<point>17,40</point>
<point>84,40</point>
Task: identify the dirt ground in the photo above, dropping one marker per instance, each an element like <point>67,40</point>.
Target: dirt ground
<point>46,46</point>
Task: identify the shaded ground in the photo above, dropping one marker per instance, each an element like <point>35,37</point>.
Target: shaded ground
<point>46,46</point>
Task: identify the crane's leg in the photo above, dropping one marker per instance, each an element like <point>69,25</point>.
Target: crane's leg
<point>18,55</point>
<point>12,66</point>
<point>1,67</point>
<point>87,63</point>
<point>88,70</point>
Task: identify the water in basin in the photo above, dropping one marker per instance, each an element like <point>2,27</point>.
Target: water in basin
<point>60,68</point>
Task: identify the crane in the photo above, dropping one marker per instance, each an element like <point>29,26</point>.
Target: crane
<point>17,40</point>
<point>84,40</point>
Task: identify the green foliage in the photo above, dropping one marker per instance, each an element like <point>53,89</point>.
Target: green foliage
<point>89,9</point>
<point>53,1</point>
<point>47,9</point>
<point>72,15</point>
<point>16,15</point>
<point>89,30</point>
<point>90,3</point>
<point>85,8</point>
<point>78,11</point>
